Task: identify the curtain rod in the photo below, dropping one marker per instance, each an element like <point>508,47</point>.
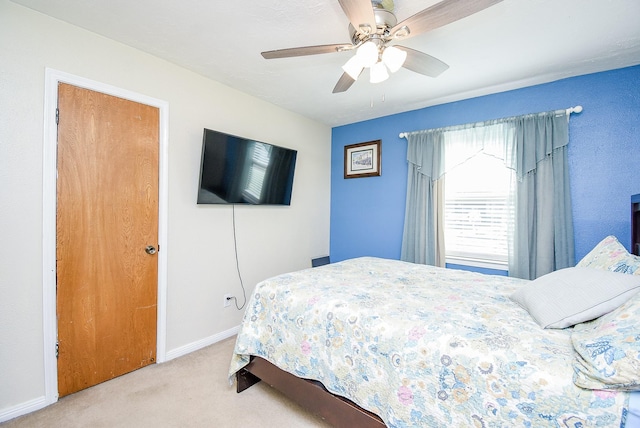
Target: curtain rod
<point>576,109</point>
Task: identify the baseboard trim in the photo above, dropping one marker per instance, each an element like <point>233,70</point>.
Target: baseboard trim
<point>202,343</point>
<point>23,408</point>
<point>41,402</point>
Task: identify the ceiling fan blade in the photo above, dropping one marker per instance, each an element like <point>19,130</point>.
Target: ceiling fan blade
<point>422,63</point>
<point>360,14</point>
<point>344,83</point>
<point>443,13</point>
<point>306,50</point>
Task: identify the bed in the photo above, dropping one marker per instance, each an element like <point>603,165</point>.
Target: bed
<point>378,342</point>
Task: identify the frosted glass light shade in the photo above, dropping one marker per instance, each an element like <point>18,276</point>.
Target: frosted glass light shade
<point>353,67</point>
<point>368,54</point>
<point>394,58</point>
<point>378,73</point>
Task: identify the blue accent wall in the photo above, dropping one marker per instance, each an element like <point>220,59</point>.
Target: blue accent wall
<point>367,214</point>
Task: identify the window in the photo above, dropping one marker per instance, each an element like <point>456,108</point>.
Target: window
<point>474,218</point>
<point>260,156</point>
<point>477,211</point>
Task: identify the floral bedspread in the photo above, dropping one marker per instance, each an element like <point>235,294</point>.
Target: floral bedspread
<point>421,346</point>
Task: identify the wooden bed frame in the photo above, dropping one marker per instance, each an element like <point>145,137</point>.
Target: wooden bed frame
<point>312,395</point>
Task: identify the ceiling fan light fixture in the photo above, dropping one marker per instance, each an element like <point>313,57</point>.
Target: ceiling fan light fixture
<point>373,25</point>
<point>368,54</point>
<point>378,73</point>
<point>353,67</point>
<point>393,58</point>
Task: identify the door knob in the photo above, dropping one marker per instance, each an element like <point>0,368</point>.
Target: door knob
<point>150,249</point>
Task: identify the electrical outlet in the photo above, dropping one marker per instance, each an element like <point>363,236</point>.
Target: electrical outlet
<point>227,300</point>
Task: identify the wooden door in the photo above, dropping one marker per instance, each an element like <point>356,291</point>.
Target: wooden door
<point>107,214</point>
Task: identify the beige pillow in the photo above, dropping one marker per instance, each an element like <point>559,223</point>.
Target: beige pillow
<point>611,255</point>
<point>608,350</point>
<point>573,295</point>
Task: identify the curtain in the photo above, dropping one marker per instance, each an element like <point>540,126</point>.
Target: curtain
<point>424,155</point>
<point>438,221</point>
<point>276,176</point>
<point>543,238</point>
<point>535,147</point>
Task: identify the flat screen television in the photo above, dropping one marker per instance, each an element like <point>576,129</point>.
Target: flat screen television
<point>236,170</point>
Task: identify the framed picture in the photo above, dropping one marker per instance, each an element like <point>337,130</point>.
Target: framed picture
<point>363,159</point>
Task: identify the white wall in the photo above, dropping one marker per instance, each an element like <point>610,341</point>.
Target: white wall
<point>201,259</point>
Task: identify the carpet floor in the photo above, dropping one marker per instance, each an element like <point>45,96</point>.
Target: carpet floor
<point>190,391</point>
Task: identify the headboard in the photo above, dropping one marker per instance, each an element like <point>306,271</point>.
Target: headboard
<point>635,224</point>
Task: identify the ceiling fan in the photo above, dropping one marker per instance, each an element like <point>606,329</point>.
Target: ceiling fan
<point>373,27</point>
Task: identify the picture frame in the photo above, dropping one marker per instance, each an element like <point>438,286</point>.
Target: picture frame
<point>363,159</point>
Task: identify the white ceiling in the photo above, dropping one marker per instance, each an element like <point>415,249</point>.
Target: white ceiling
<point>513,44</point>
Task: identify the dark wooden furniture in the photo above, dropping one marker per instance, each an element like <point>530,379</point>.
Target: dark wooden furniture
<point>635,224</point>
<point>311,395</point>
<point>320,261</point>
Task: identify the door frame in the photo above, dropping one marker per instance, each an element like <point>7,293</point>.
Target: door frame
<point>49,178</point>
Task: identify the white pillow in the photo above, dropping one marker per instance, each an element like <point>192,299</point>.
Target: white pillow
<point>570,296</point>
